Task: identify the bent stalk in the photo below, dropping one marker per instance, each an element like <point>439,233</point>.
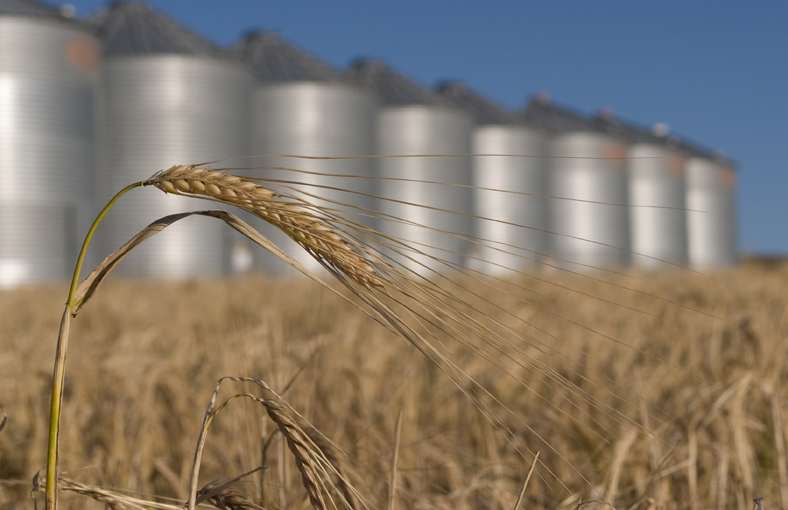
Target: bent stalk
<point>60,360</point>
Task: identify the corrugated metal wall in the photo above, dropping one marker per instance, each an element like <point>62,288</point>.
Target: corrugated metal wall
<point>167,98</point>
<point>521,223</point>
<point>302,106</point>
<point>711,189</point>
<point>593,226</point>
<point>508,198</point>
<point>657,178</point>
<point>426,130</point>
<point>414,121</point>
<point>162,110</point>
<point>48,74</point>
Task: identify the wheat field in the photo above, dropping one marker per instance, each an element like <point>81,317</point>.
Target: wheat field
<point>689,414</point>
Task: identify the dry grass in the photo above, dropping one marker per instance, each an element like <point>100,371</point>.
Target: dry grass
<point>690,415</point>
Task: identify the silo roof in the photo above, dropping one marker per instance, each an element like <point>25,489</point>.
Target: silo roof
<point>135,28</point>
<point>275,60</point>
<point>28,8</point>
<point>543,114</point>
<point>635,133</point>
<point>484,111</point>
<point>695,149</point>
<point>393,88</point>
<point>629,131</point>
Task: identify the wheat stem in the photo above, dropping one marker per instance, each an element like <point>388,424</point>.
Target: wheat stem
<point>525,483</point>
<point>60,360</point>
<point>395,457</point>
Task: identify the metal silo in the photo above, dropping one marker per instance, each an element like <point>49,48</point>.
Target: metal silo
<point>304,107</point>
<point>414,121</point>
<point>497,131</point>
<point>658,221</point>
<point>48,74</point>
<point>168,97</point>
<point>711,215</point>
<point>588,182</point>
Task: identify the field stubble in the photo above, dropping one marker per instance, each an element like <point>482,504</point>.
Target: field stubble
<point>690,415</point>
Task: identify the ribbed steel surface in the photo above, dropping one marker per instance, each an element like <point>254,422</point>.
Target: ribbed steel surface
<point>711,189</point>
<point>595,235</point>
<point>657,178</point>
<point>39,242</point>
<point>426,129</point>
<point>47,85</point>
<point>28,8</point>
<point>521,219</point>
<point>276,60</point>
<point>315,119</point>
<point>510,226</point>
<point>158,111</point>
<point>135,28</point>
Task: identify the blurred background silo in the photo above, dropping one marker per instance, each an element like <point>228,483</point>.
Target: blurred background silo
<point>304,107</point>
<point>658,221</point>
<point>498,131</point>
<point>589,168</point>
<point>48,73</point>
<point>711,215</point>
<point>414,121</point>
<point>168,97</point>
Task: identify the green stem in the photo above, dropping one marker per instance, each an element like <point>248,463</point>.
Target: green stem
<point>60,360</point>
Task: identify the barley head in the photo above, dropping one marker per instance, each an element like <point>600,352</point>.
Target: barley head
<point>309,230</point>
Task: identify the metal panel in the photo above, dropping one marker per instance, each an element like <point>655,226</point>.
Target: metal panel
<point>521,219</point>
<point>511,226</point>
<point>314,119</point>
<point>657,178</point>
<point>134,28</point>
<point>711,189</point>
<point>28,8</point>
<point>482,110</point>
<point>47,84</point>
<point>278,61</point>
<point>426,129</point>
<point>45,253</point>
<point>162,110</point>
<point>595,235</point>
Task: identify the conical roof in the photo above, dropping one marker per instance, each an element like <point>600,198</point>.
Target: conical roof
<point>658,135</point>
<point>632,133</point>
<point>393,88</point>
<point>28,8</point>
<point>275,60</point>
<point>31,8</point>
<point>542,113</point>
<point>695,149</point>
<point>135,28</point>
<point>484,111</point>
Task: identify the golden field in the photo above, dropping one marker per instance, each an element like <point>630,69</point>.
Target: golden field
<point>672,394</point>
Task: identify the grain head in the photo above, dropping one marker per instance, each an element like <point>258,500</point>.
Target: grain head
<point>309,230</point>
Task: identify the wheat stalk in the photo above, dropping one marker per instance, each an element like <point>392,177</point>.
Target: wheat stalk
<point>410,305</point>
<point>226,498</point>
<point>327,244</point>
<point>299,223</point>
<point>327,448</point>
<point>301,448</point>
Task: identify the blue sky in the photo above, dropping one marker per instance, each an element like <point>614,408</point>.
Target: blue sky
<point>710,69</point>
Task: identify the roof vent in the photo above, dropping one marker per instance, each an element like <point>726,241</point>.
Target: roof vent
<point>542,97</point>
<point>68,11</point>
<point>660,129</point>
<point>606,114</point>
